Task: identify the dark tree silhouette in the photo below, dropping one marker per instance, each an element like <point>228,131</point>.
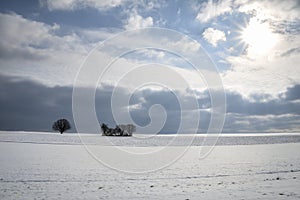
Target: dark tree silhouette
<point>105,129</point>
<point>120,130</point>
<point>61,125</point>
<point>127,129</point>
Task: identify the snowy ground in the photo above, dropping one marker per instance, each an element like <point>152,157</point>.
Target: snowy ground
<point>53,166</point>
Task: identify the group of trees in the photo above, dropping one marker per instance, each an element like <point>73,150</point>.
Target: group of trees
<point>62,125</point>
<point>119,130</point>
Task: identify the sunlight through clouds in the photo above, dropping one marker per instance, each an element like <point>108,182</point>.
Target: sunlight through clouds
<point>255,44</point>
<point>259,37</point>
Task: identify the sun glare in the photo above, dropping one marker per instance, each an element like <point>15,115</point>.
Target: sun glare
<point>259,37</point>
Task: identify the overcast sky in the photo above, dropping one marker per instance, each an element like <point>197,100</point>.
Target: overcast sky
<point>254,45</point>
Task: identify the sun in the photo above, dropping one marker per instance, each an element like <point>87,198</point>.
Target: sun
<point>258,37</point>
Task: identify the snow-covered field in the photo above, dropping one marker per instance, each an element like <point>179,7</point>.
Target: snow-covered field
<point>54,166</point>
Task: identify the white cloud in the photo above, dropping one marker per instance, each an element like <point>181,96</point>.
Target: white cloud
<point>13,24</point>
<point>93,36</point>
<point>269,63</point>
<point>269,74</point>
<point>34,49</point>
<point>214,36</point>
<point>43,55</point>
<point>266,68</point>
<point>276,10</point>
<point>136,21</point>
<point>34,35</point>
<point>154,54</point>
<point>79,4</point>
<point>185,44</point>
<point>130,73</point>
<point>271,10</point>
<point>211,9</point>
<point>264,123</point>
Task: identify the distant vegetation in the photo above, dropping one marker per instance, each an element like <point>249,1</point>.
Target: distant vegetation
<point>61,125</point>
<point>119,130</point>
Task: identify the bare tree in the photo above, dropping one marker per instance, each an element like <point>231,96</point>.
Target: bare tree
<point>106,131</point>
<point>119,130</point>
<point>61,125</point>
<point>127,129</point>
<point>131,128</point>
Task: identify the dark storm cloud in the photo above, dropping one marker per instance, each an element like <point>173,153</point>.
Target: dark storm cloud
<point>281,114</point>
<point>267,123</point>
<point>165,98</point>
<point>237,104</point>
<point>292,93</point>
<point>27,105</point>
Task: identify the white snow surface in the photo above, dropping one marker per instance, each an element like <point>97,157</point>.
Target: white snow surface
<point>54,166</point>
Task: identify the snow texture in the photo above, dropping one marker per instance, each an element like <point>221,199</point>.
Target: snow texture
<point>54,166</point>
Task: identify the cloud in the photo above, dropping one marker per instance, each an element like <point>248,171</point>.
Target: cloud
<point>214,36</point>
<point>258,83</point>
<point>36,36</point>
<point>279,106</point>
<point>266,123</point>
<point>80,4</point>
<point>101,5</point>
<point>212,9</point>
<point>265,66</point>
<point>291,52</point>
<point>136,21</point>
<point>269,72</point>
<point>276,10</point>
<point>31,106</point>
<point>185,44</point>
<point>292,93</point>
<point>28,105</point>
<point>42,52</point>
<point>262,90</point>
<point>275,70</point>
<point>262,114</point>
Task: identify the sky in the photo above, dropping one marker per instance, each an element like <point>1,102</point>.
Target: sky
<point>248,48</point>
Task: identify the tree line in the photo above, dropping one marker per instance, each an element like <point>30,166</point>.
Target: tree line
<point>63,125</point>
<point>119,130</point>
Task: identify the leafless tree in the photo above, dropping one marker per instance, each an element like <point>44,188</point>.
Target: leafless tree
<point>61,125</point>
